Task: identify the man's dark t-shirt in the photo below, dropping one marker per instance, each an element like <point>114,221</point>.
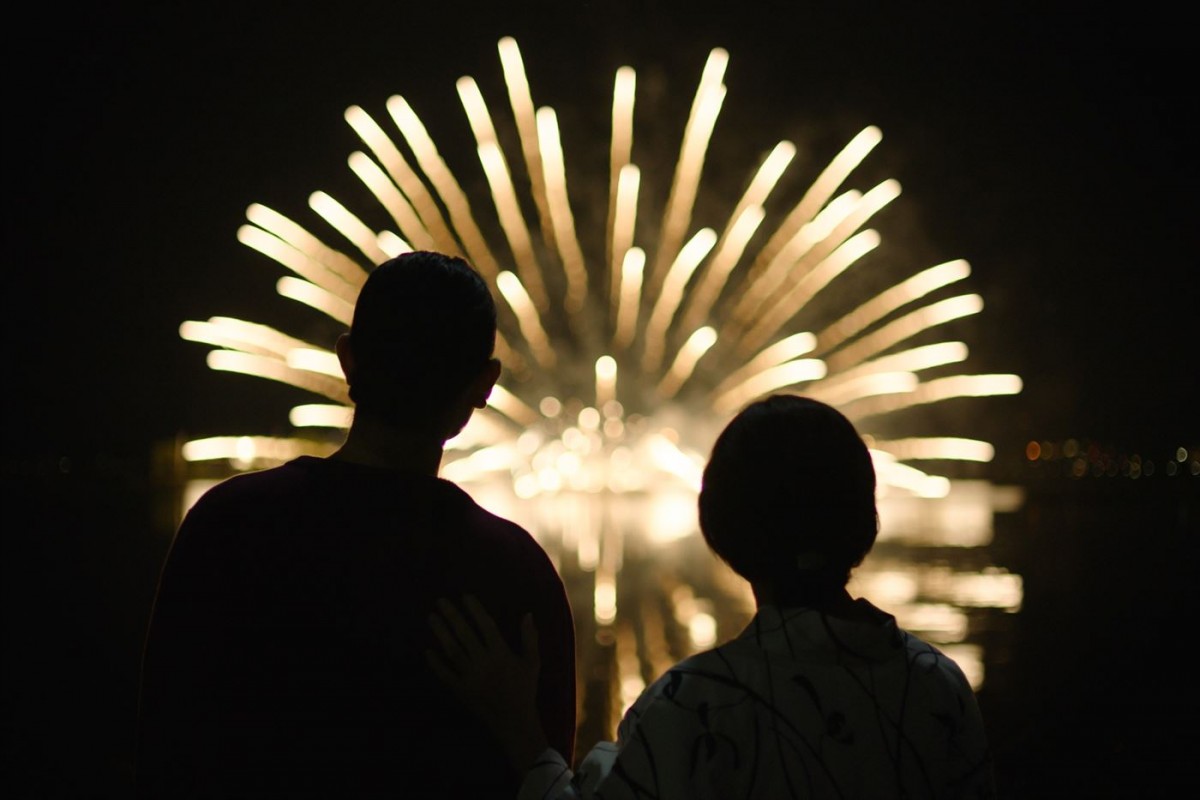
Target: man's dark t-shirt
<point>285,655</point>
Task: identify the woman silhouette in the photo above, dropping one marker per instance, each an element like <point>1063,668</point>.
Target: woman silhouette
<point>821,696</point>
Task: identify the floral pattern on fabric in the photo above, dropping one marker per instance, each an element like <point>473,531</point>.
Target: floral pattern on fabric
<point>800,705</point>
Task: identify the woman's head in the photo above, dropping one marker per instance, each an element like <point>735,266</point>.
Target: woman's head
<point>788,497</point>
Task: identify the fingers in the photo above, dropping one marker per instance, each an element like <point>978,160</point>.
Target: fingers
<point>466,641</point>
<point>442,670</point>
<point>452,659</point>
<point>445,638</point>
<point>484,622</point>
<point>461,633</point>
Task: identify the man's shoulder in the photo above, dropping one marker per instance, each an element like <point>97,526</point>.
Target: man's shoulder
<point>309,497</point>
<point>250,487</point>
<point>482,522</point>
<point>461,501</point>
<point>300,469</point>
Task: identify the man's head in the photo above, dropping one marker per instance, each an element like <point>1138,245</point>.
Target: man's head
<point>788,497</point>
<point>420,344</point>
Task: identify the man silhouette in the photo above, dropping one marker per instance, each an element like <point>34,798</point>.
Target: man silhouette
<point>285,651</point>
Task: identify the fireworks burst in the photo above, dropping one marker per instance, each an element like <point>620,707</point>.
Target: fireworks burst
<point>622,363</point>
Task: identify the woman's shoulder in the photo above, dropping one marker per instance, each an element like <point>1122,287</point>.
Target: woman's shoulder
<point>701,677</point>
<point>933,669</point>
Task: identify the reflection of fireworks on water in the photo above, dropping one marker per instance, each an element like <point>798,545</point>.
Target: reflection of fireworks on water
<point>622,364</point>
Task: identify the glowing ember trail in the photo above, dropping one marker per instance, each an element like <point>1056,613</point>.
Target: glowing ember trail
<point>621,364</point>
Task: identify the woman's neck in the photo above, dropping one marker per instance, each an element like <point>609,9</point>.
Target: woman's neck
<point>836,603</point>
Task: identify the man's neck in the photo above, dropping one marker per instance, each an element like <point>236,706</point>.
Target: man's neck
<point>378,444</point>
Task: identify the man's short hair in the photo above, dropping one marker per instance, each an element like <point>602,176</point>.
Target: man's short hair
<point>788,495</point>
<point>424,326</point>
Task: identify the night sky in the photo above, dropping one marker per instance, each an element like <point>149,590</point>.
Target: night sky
<point>1047,150</point>
<point>1054,151</point>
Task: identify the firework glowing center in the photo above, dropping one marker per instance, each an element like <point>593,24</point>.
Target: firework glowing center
<point>622,364</point>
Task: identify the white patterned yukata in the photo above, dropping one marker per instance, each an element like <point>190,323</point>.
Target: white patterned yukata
<point>800,705</point>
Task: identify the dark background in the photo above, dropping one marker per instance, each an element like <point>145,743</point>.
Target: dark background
<point>1052,150</point>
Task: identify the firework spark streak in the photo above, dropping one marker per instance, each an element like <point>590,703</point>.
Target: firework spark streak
<point>621,364</point>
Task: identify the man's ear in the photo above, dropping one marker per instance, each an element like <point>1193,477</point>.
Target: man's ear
<point>481,389</point>
<point>345,355</point>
